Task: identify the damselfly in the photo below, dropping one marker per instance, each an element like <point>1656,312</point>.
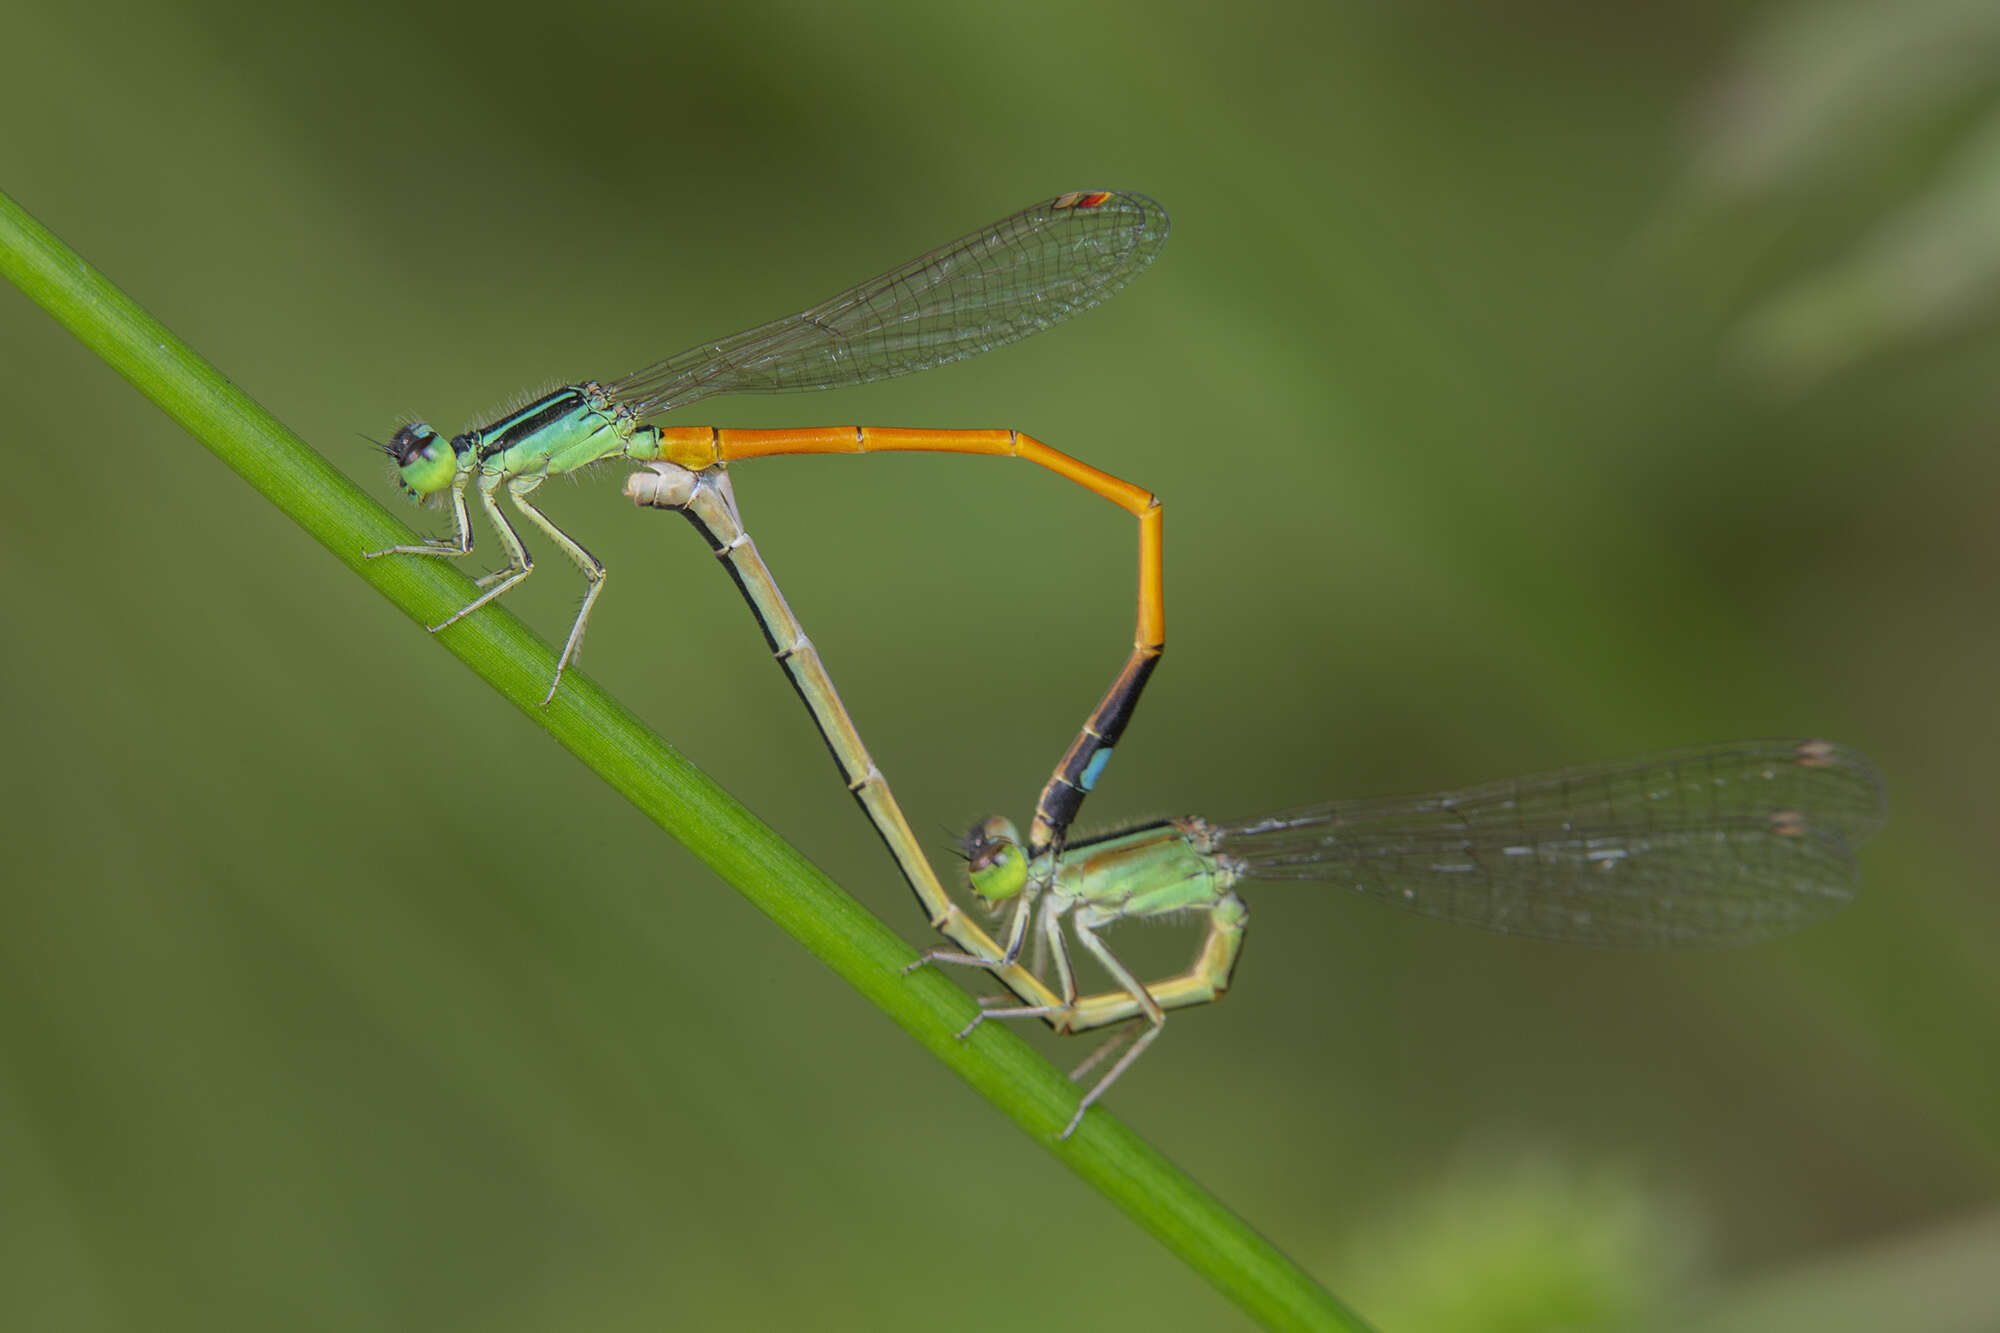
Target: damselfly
<point>1000,284</point>
<point>1690,849</point>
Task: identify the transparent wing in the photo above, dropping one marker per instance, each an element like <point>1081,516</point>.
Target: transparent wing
<point>982,291</point>
<point>1691,848</point>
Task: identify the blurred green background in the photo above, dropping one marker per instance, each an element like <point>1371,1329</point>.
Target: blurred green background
<point>1527,384</point>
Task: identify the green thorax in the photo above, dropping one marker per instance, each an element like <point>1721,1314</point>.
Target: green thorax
<point>566,430</point>
<point>1156,869</point>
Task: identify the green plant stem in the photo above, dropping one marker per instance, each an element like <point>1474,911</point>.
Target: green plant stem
<point>659,781</point>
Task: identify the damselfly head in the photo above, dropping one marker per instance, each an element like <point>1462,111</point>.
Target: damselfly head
<point>994,860</point>
<point>424,461</point>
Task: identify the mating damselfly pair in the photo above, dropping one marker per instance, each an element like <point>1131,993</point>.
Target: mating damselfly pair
<point>1713,846</point>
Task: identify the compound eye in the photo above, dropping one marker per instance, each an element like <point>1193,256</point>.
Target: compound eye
<point>425,463</point>
<point>993,859</point>
<point>412,442</point>
<point>987,840</point>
